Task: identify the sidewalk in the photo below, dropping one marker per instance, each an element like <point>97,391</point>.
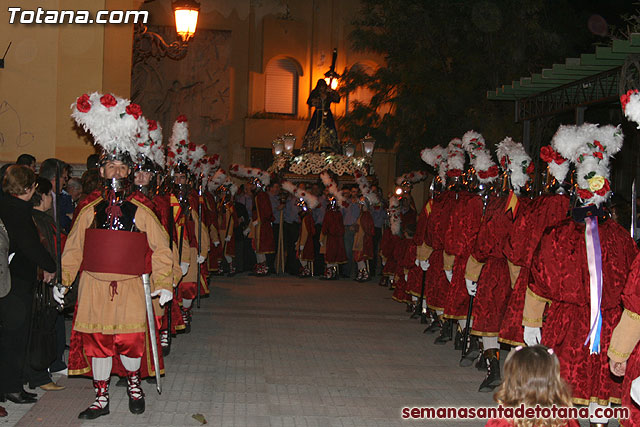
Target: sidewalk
<point>281,351</point>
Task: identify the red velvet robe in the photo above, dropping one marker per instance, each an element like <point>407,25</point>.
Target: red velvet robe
<point>459,239</point>
<point>263,241</point>
<point>494,284</point>
<point>532,217</point>
<point>365,224</point>
<point>560,274</point>
<point>228,220</point>
<point>437,285</point>
<point>404,254</point>
<point>305,238</point>
<point>387,249</point>
<point>333,236</point>
<point>212,223</point>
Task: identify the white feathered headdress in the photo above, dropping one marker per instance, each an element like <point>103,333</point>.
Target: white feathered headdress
<point>455,158</point>
<point>115,123</point>
<point>474,145</point>
<point>514,158</point>
<point>631,105</point>
<point>195,155</point>
<point>395,220</point>
<point>332,187</point>
<point>365,188</point>
<point>245,172</point>
<point>309,199</point>
<point>436,157</point>
<point>179,142</point>
<point>412,177</point>
<point>590,147</point>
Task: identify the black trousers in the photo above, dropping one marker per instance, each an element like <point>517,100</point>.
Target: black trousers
<point>58,364</point>
<point>318,263</point>
<point>271,258</point>
<point>377,235</point>
<point>291,232</point>
<point>15,323</point>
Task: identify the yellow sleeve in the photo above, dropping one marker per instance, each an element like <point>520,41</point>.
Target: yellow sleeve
<point>534,306</point>
<point>514,272</point>
<point>424,252</point>
<point>74,246</point>
<point>303,236</point>
<point>625,337</point>
<point>473,269</point>
<point>447,263</point>
<point>158,240</point>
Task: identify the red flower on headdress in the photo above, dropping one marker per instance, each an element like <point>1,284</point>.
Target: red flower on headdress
<point>171,154</point>
<point>598,144</point>
<point>597,154</point>
<point>584,194</point>
<point>454,172</point>
<point>108,100</point>
<point>547,154</point>
<point>192,146</point>
<point>181,118</point>
<point>489,173</point>
<point>624,99</point>
<point>179,150</point>
<point>605,188</point>
<point>152,124</point>
<point>233,168</point>
<point>503,162</point>
<point>83,104</point>
<point>134,110</point>
<point>531,168</point>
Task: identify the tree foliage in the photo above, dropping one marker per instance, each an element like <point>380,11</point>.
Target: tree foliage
<point>441,57</point>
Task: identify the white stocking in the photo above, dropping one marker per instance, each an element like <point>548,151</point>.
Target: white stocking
<point>592,408</point>
<point>463,323</point>
<point>186,303</point>
<point>361,265</point>
<point>229,259</point>
<point>131,364</point>
<point>439,313</point>
<point>490,343</point>
<point>261,258</point>
<point>101,368</point>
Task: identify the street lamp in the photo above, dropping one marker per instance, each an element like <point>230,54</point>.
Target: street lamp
<point>186,13</point>
<point>150,44</point>
<point>348,149</point>
<point>368,145</point>
<point>289,142</point>
<point>278,147</point>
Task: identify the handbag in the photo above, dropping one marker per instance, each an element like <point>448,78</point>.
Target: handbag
<point>42,335</point>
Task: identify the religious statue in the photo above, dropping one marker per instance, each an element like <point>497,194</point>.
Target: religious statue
<point>321,133</point>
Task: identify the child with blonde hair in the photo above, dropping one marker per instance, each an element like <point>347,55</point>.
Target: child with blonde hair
<point>532,377</point>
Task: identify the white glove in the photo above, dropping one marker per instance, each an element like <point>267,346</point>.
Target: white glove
<point>184,266</point>
<point>227,239</point>
<point>11,255</point>
<point>165,295</point>
<point>472,287</point>
<point>449,274</point>
<point>255,223</point>
<point>201,259</point>
<point>635,390</point>
<point>406,277</point>
<point>216,244</point>
<point>417,262</point>
<point>246,231</point>
<point>301,248</point>
<point>532,336</point>
<point>424,265</point>
<point>58,294</point>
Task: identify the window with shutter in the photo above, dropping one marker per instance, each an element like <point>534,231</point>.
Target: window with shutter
<point>281,87</point>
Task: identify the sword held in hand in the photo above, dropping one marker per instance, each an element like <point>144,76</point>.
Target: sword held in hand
<point>152,329</point>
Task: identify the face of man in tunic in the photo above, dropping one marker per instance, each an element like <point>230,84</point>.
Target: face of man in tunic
<point>180,179</point>
<point>142,178</point>
<point>114,169</point>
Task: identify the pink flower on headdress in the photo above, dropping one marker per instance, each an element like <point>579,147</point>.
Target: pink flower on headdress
<point>83,104</point>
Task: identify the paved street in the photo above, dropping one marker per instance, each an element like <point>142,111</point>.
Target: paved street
<point>286,352</point>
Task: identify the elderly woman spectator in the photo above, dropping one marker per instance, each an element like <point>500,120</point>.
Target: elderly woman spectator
<point>26,254</point>
<point>42,200</point>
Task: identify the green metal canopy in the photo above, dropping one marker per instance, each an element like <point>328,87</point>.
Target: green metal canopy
<point>574,69</point>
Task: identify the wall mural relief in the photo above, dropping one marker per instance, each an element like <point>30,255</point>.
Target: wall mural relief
<point>196,86</point>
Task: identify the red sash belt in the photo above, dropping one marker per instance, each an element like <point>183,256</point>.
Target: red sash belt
<point>114,251</point>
